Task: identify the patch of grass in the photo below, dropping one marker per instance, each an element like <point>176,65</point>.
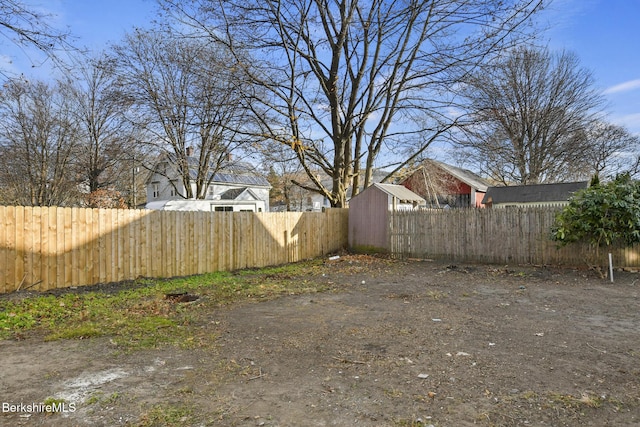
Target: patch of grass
<point>566,403</point>
<point>167,416</point>
<point>54,405</point>
<point>569,401</point>
<point>436,295</point>
<point>138,315</point>
<point>298,268</point>
<point>393,393</point>
<point>79,331</point>
<point>558,406</point>
<point>99,397</point>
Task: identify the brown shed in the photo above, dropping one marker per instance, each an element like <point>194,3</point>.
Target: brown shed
<point>369,215</point>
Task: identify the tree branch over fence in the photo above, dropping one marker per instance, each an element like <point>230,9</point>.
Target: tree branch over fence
<point>345,82</point>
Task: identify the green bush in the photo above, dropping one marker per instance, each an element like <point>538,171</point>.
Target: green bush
<point>602,214</point>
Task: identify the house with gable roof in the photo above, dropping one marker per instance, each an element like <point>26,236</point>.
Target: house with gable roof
<point>443,185</point>
<point>235,186</point>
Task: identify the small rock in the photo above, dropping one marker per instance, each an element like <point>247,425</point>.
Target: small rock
<point>423,376</point>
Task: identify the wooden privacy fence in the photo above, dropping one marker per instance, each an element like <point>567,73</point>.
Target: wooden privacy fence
<point>54,247</point>
<point>510,236</point>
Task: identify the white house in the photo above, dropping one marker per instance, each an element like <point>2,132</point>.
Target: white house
<point>236,186</point>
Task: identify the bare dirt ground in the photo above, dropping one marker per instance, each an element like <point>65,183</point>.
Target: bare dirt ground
<point>393,343</point>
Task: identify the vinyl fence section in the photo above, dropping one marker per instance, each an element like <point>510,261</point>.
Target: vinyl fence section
<point>46,248</point>
<point>510,236</point>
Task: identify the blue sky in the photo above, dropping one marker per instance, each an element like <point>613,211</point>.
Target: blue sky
<point>605,34</point>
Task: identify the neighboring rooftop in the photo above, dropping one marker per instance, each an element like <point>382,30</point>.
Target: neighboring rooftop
<point>400,192</point>
<point>233,172</point>
<point>537,193</point>
<point>470,178</point>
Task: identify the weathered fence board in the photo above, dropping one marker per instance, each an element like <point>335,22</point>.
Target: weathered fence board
<point>510,236</point>
<point>55,247</point>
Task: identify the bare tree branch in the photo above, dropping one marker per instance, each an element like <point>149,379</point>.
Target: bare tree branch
<point>38,141</point>
<point>529,116</point>
<point>27,28</point>
<point>187,94</point>
<point>347,81</point>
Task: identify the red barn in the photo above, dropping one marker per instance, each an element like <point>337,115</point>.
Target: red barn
<point>443,185</point>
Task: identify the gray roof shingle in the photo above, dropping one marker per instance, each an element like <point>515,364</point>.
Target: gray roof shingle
<point>242,173</point>
<point>400,192</point>
<point>538,193</point>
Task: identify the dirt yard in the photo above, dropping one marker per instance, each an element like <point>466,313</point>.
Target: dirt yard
<point>393,343</point>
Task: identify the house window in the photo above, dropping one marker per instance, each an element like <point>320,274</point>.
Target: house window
<point>211,191</point>
<point>223,209</point>
<point>173,192</point>
<point>155,190</point>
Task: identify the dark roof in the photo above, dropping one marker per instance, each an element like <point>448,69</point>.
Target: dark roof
<point>244,179</point>
<point>234,173</point>
<point>538,193</point>
<point>232,194</point>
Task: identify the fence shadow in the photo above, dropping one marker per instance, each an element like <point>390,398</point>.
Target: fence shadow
<point>42,248</point>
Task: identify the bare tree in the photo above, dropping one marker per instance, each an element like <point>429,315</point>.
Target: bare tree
<point>26,27</point>
<point>186,96</point>
<point>109,152</point>
<point>613,150</point>
<point>284,171</point>
<point>530,114</point>
<point>349,80</point>
<point>38,138</point>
